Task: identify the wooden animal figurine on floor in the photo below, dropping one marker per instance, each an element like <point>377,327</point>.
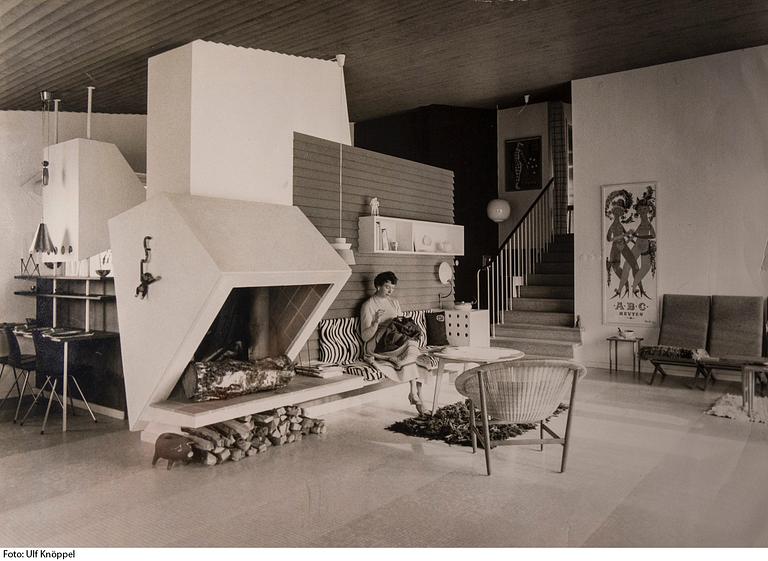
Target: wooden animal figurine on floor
<point>172,447</point>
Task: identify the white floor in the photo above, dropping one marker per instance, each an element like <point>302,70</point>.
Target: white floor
<point>647,468</point>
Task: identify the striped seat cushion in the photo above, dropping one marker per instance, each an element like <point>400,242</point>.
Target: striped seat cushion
<point>420,317</point>
<point>428,361</point>
<point>369,372</point>
<point>339,340</point>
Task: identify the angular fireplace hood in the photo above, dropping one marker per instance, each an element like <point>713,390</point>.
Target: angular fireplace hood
<point>202,248</point>
<point>220,163</point>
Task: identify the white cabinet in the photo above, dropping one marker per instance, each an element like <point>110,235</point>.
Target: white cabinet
<point>380,234</point>
<point>90,182</point>
<point>468,328</point>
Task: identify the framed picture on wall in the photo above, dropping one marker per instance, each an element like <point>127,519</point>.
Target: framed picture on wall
<point>522,161</point>
<point>629,254</point>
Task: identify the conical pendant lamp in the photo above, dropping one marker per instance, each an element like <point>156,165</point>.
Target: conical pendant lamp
<point>42,242</point>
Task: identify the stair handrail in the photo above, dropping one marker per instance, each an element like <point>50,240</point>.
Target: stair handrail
<point>517,255</point>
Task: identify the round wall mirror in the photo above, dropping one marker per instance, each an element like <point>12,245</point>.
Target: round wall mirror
<point>445,272</point>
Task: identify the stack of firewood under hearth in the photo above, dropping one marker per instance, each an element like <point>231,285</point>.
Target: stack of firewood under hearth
<point>250,435</point>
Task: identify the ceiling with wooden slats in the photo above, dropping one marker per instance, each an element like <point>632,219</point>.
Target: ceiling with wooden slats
<point>400,54</point>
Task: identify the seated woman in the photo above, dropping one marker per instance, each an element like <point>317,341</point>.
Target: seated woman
<point>375,315</point>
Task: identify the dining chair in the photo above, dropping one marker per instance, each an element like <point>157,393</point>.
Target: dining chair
<point>21,364</point>
<point>49,363</point>
<point>520,391</point>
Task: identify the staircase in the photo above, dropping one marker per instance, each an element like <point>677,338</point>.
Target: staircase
<point>540,320</point>
<point>528,286</point>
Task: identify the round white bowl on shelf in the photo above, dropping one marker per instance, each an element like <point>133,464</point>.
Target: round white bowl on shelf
<point>462,306</point>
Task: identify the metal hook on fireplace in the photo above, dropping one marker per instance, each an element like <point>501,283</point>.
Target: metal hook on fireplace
<point>145,278</point>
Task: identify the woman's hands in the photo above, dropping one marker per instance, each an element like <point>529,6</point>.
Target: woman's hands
<point>377,315</point>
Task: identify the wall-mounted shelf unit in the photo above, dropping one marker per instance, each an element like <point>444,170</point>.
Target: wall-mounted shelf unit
<point>381,234</point>
<point>99,297</point>
<point>48,287</point>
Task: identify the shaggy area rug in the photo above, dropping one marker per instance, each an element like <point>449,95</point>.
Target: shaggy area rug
<point>451,424</point>
<point>730,406</point>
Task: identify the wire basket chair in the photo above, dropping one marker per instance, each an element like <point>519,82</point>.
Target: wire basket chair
<point>520,391</point>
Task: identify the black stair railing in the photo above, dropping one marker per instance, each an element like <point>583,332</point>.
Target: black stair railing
<point>500,278</point>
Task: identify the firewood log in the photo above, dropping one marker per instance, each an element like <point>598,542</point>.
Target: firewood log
<point>223,456</point>
<point>218,450</point>
<point>251,452</point>
<point>277,441</point>
<point>290,438</point>
<point>280,411</point>
<point>224,429</point>
<point>205,432</point>
<point>293,410</point>
<point>295,427</point>
<point>203,457</point>
<point>263,419</point>
<point>246,419</point>
<point>284,427</point>
<point>201,443</point>
<point>262,447</point>
<point>236,455</point>
<point>243,445</point>
<point>239,429</point>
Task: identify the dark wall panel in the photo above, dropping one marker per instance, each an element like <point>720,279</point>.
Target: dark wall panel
<point>405,189</point>
<point>456,138</point>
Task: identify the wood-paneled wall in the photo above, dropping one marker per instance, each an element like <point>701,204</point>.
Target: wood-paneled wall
<point>405,189</point>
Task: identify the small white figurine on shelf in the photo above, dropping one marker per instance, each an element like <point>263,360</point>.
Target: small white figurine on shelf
<point>374,206</point>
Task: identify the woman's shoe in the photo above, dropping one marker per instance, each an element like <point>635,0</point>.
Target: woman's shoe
<point>417,402</point>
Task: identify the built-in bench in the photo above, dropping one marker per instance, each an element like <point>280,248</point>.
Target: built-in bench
<point>708,333</point>
<point>340,343</point>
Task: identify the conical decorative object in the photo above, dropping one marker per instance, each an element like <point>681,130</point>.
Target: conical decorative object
<point>42,242</point>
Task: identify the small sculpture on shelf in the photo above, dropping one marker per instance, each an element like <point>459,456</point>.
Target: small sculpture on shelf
<point>374,206</point>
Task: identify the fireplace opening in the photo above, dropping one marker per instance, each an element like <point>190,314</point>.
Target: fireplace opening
<point>255,325</point>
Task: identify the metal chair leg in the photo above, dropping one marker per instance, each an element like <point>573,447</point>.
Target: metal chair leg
<point>34,401</point>
<point>48,409</point>
<point>83,398</point>
<point>486,431</point>
<point>541,435</point>
<point>23,389</point>
<point>567,435</point>
<point>472,426</point>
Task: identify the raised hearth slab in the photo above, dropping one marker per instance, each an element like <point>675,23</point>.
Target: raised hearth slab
<point>301,388</point>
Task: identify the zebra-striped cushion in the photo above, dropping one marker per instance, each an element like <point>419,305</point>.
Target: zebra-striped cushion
<point>340,341</point>
<point>420,317</point>
<point>428,361</point>
<point>368,372</point>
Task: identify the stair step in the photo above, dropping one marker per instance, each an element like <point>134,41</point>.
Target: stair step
<point>540,318</point>
<point>546,291</point>
<point>541,347</point>
<point>558,268</point>
<point>535,331</point>
<point>542,304</point>
<point>550,280</point>
<point>557,257</point>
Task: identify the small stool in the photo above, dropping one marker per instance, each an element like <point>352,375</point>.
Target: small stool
<point>613,352</point>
